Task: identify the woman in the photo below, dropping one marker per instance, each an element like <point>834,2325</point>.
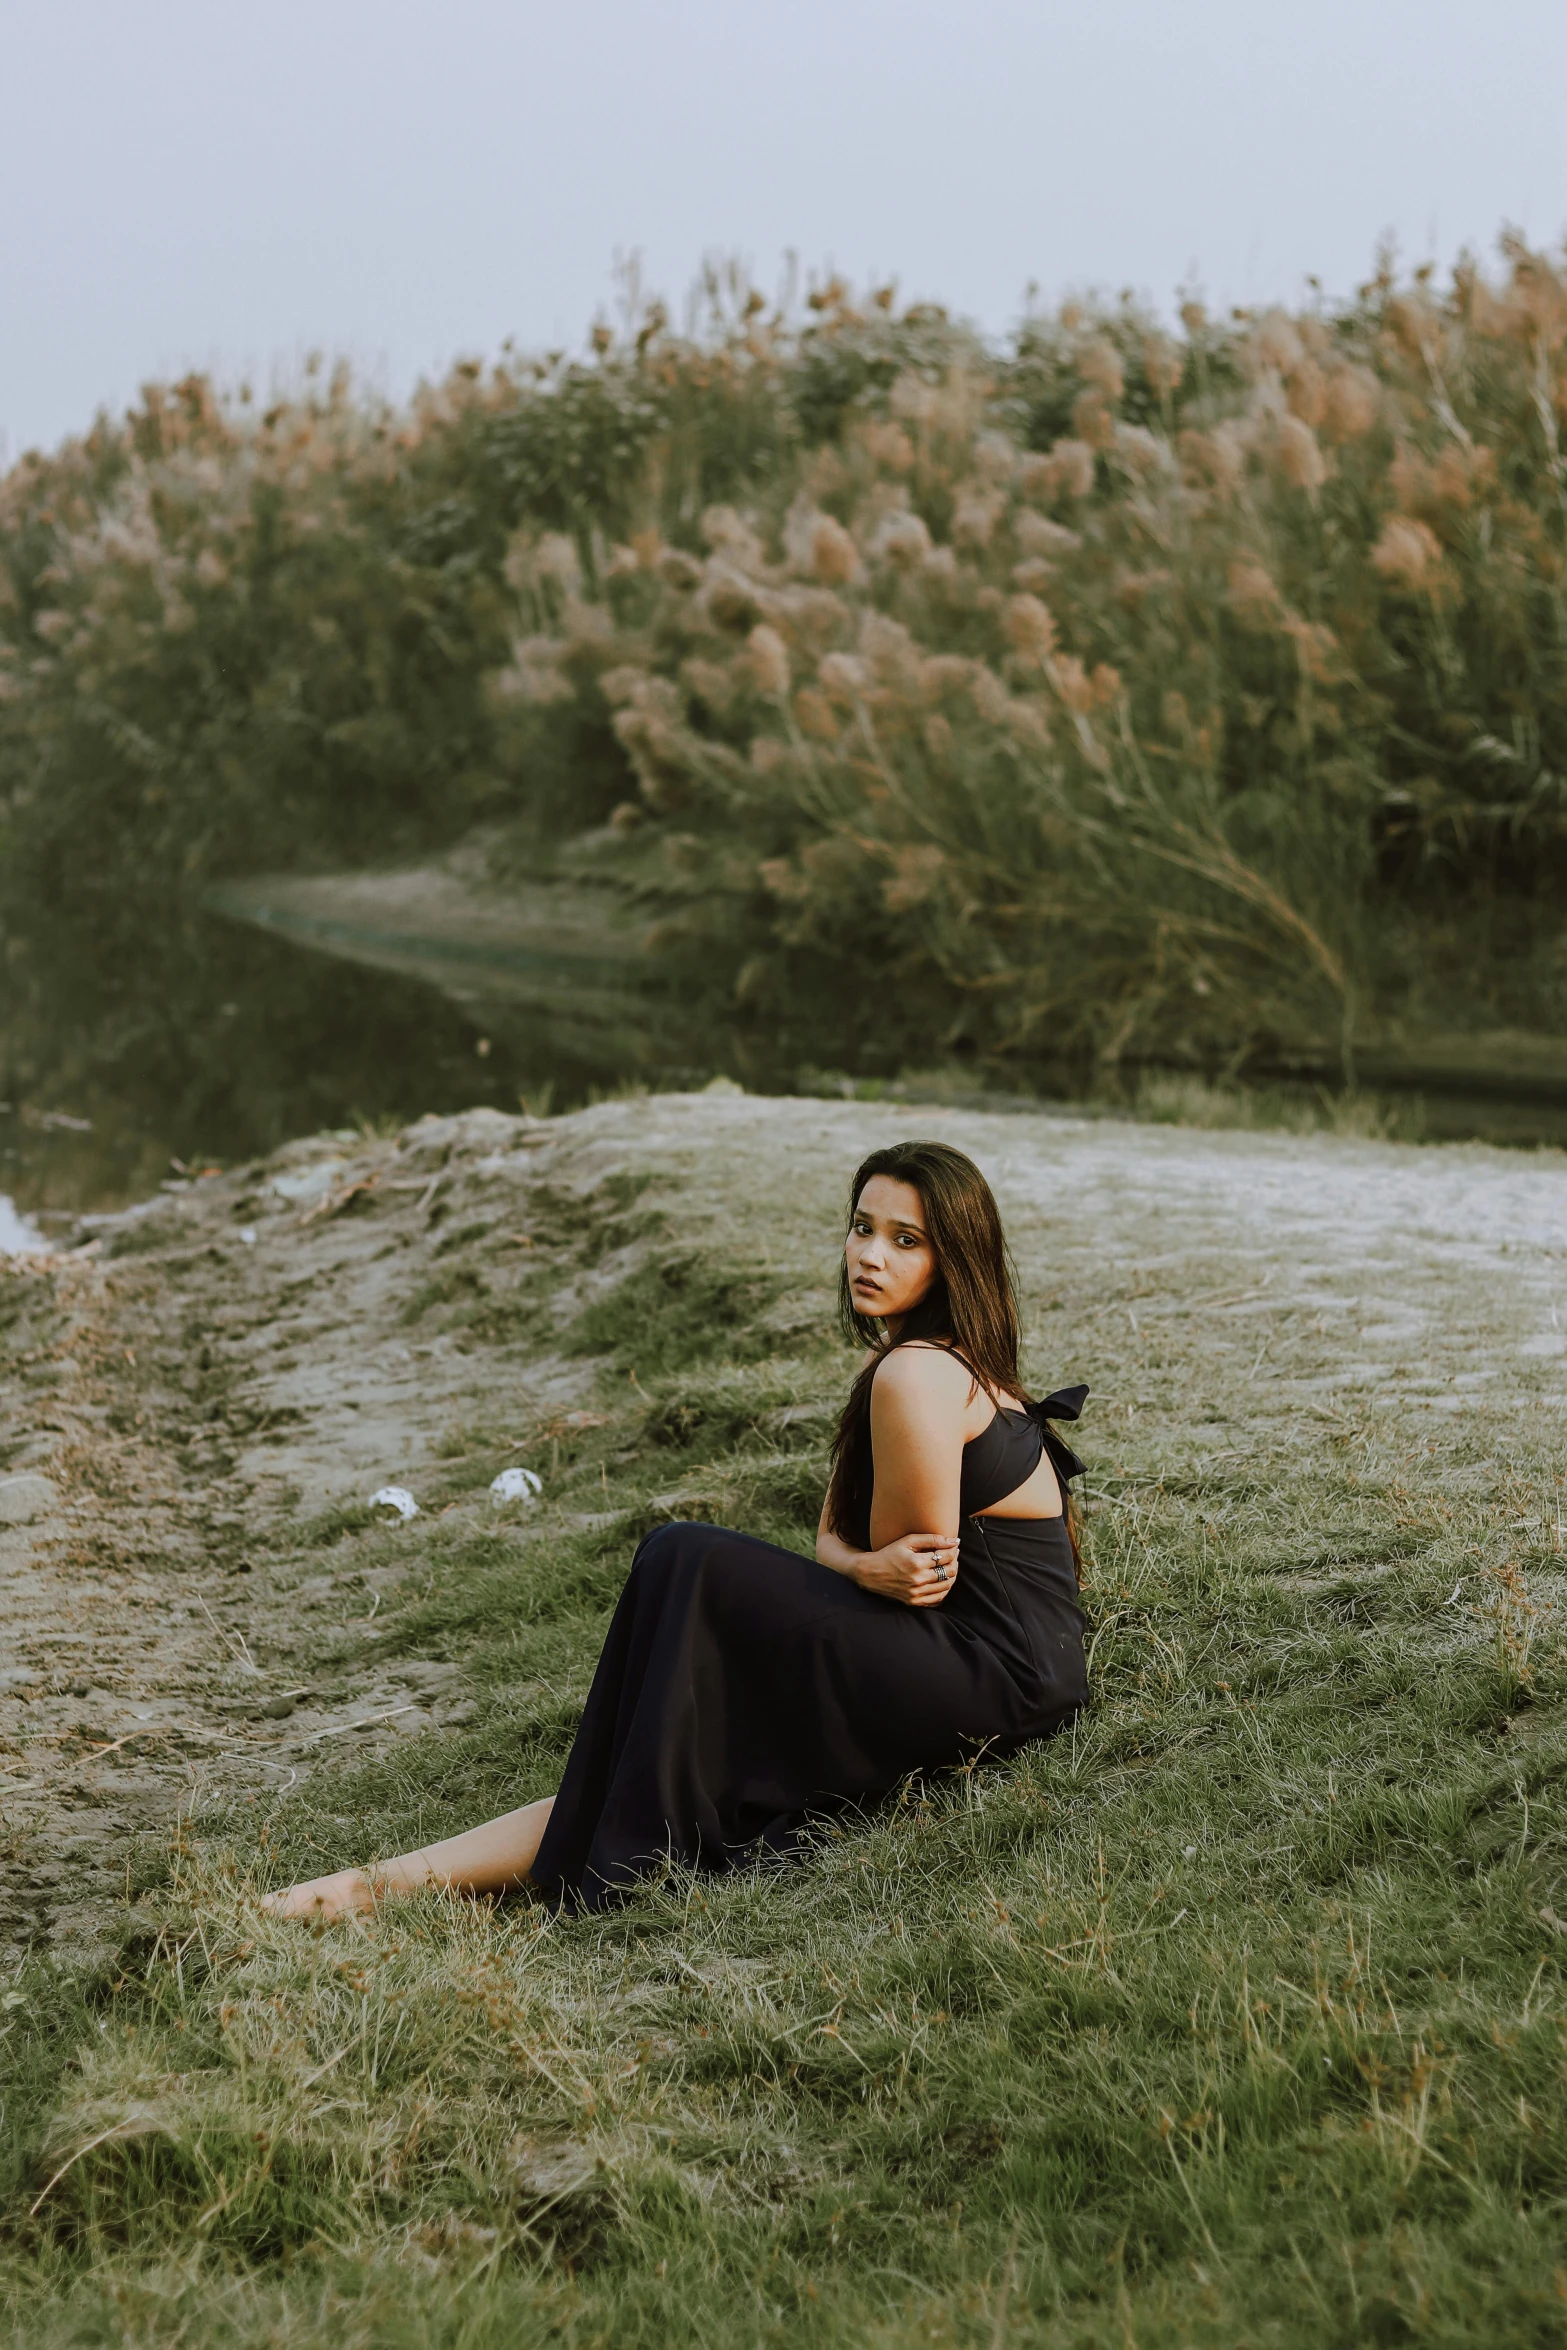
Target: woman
<point>743,1690</point>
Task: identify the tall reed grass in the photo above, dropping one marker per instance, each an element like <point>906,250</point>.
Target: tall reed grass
<point>1122,692</point>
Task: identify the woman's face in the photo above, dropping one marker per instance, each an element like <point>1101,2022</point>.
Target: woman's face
<point>890,1259</point>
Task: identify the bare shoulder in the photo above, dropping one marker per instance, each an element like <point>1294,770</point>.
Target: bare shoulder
<point>920,1373</point>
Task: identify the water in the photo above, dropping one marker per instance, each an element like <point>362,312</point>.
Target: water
<point>237,1039</point>
<point>246,1042</point>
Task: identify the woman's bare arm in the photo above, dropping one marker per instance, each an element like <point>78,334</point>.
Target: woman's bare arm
<point>918,1406</point>
<point>918,1569</point>
<point>919,1403</point>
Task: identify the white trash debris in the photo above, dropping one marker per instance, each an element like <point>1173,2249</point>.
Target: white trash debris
<point>398,1498</point>
<point>19,1235</point>
<point>247,1234</point>
<point>516,1485</point>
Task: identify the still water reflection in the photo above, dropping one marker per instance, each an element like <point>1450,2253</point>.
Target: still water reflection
<point>258,1040</point>
<point>235,1039</point>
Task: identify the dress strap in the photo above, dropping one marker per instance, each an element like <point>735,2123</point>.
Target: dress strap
<point>1065,1404</point>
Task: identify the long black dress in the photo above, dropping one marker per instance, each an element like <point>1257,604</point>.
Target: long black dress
<point>743,1690</point>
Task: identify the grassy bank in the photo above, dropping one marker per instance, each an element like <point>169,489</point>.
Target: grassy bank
<point>1121,693</point>
<point>1235,2015</point>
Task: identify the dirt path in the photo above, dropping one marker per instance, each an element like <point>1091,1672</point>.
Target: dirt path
<point>201,1380</point>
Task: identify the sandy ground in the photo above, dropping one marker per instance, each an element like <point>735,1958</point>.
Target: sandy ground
<point>199,1379</point>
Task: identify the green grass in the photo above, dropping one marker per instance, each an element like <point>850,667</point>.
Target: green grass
<point>1235,2015</point>
<point>675,1310</point>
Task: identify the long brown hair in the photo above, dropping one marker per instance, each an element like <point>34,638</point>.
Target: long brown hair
<point>970,1306</point>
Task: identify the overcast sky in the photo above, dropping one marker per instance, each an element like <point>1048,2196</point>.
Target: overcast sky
<point>194,183</point>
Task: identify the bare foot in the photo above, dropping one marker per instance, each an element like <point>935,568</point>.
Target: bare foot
<point>324,1898</point>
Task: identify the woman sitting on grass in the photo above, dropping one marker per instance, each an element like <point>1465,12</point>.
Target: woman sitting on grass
<point>744,1691</point>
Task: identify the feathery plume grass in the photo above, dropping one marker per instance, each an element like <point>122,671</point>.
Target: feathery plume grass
<point>816,591</point>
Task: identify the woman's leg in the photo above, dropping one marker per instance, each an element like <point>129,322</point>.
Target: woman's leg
<point>493,1859</point>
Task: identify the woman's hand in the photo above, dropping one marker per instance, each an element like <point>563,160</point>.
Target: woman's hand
<point>918,1568</point>
<point>915,1569</point>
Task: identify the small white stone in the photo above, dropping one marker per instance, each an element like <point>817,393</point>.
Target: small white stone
<point>247,1233</point>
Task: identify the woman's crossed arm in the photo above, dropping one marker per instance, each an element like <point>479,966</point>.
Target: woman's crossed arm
<point>920,1403</point>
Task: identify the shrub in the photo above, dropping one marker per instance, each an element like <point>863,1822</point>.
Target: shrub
<point>1122,692</point>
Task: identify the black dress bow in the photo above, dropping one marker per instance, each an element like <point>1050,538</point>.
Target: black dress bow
<point>1066,1404</point>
